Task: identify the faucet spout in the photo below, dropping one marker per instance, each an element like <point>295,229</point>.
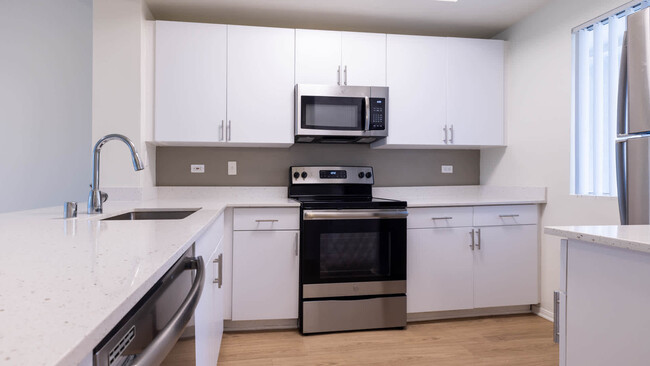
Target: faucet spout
<point>96,197</point>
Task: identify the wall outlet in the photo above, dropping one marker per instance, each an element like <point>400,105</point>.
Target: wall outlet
<point>446,169</point>
<point>232,168</point>
<point>197,168</point>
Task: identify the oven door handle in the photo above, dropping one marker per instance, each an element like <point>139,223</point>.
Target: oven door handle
<point>156,351</point>
<point>353,214</point>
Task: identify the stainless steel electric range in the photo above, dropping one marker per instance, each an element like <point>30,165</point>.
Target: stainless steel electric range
<point>352,251</point>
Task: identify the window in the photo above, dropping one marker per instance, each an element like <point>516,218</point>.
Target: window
<point>596,60</point>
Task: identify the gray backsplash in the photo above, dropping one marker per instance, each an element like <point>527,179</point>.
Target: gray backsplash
<point>270,166</point>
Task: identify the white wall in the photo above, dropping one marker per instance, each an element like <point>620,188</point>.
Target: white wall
<point>538,115</point>
<point>117,87</point>
<point>45,102</point>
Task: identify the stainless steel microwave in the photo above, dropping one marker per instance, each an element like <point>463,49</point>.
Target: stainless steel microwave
<point>341,114</point>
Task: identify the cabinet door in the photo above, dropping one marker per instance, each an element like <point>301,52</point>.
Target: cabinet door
<point>318,57</point>
<point>265,275</point>
<point>505,266</point>
<point>208,316</point>
<point>260,85</point>
<point>439,273</point>
<point>475,90</point>
<point>190,100</point>
<point>416,75</point>
<point>364,59</point>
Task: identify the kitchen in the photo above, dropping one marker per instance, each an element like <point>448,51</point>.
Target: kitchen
<point>103,68</point>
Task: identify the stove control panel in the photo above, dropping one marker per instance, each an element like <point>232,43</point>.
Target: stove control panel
<point>332,175</point>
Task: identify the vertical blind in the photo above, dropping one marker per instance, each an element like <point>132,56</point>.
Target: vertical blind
<point>596,62</point>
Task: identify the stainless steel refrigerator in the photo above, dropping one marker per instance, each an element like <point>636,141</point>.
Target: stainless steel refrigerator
<point>633,127</point>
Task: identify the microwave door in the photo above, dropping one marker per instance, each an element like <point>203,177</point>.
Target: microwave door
<point>327,113</point>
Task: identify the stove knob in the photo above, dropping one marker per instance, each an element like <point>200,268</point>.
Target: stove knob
<point>368,175</point>
<point>360,174</point>
<point>304,175</point>
<point>296,175</point>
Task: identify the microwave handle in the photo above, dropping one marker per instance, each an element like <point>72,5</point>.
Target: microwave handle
<point>367,113</point>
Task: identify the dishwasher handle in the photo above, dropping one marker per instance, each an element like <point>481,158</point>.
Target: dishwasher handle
<point>158,349</point>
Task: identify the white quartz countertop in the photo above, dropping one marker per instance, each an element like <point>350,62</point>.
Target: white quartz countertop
<point>65,283</point>
<point>463,195</point>
<point>632,237</point>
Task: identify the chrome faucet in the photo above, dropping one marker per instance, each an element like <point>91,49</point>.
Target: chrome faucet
<point>97,197</point>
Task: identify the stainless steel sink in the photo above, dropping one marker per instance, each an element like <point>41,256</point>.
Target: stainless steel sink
<point>154,215</point>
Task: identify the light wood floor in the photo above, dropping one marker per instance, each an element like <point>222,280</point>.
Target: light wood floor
<point>522,340</point>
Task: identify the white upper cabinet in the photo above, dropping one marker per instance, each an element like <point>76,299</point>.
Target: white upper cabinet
<point>444,92</point>
<point>318,57</point>
<point>260,85</point>
<point>475,89</point>
<point>227,85</point>
<point>340,58</point>
<point>416,72</point>
<point>364,59</point>
<point>190,79</point>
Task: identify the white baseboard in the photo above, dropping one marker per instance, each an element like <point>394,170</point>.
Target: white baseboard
<point>245,325</point>
<point>543,313</point>
<point>248,325</point>
<point>470,313</point>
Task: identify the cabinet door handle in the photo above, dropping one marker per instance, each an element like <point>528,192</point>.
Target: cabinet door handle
<point>445,129</point>
<point>478,241</point>
<point>266,220</point>
<point>471,234</point>
<point>451,133</point>
<point>338,75</point>
<point>228,130</point>
<point>513,215</point>
<point>442,218</point>
<point>219,279</point>
<point>345,73</point>
<point>556,317</point>
<point>296,244</point>
<point>221,131</point>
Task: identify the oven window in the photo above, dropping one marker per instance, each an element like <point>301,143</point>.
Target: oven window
<point>332,113</point>
<point>354,255</point>
<point>334,251</point>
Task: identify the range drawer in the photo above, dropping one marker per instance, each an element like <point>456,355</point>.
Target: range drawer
<point>439,217</point>
<point>505,215</point>
<point>266,219</point>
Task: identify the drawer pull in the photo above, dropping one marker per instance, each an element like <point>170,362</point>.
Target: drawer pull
<point>442,218</point>
<point>271,220</point>
<point>512,215</point>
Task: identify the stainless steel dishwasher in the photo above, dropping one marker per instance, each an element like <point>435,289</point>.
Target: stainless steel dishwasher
<point>150,330</point>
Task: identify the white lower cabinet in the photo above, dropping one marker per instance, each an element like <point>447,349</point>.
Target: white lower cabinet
<point>439,263</point>
<point>208,316</point>
<point>465,267</point>
<point>505,266</point>
<point>265,274</point>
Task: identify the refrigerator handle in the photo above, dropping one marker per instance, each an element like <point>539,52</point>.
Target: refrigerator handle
<point>621,130</point>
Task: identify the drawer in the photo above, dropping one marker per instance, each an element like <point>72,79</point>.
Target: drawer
<point>435,217</point>
<point>505,215</point>
<point>266,219</point>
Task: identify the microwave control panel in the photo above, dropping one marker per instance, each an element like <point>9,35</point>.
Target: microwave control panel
<point>377,114</point>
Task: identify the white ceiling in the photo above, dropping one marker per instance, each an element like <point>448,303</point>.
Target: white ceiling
<point>465,18</point>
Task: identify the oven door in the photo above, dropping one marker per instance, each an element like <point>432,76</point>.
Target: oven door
<point>353,252</point>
